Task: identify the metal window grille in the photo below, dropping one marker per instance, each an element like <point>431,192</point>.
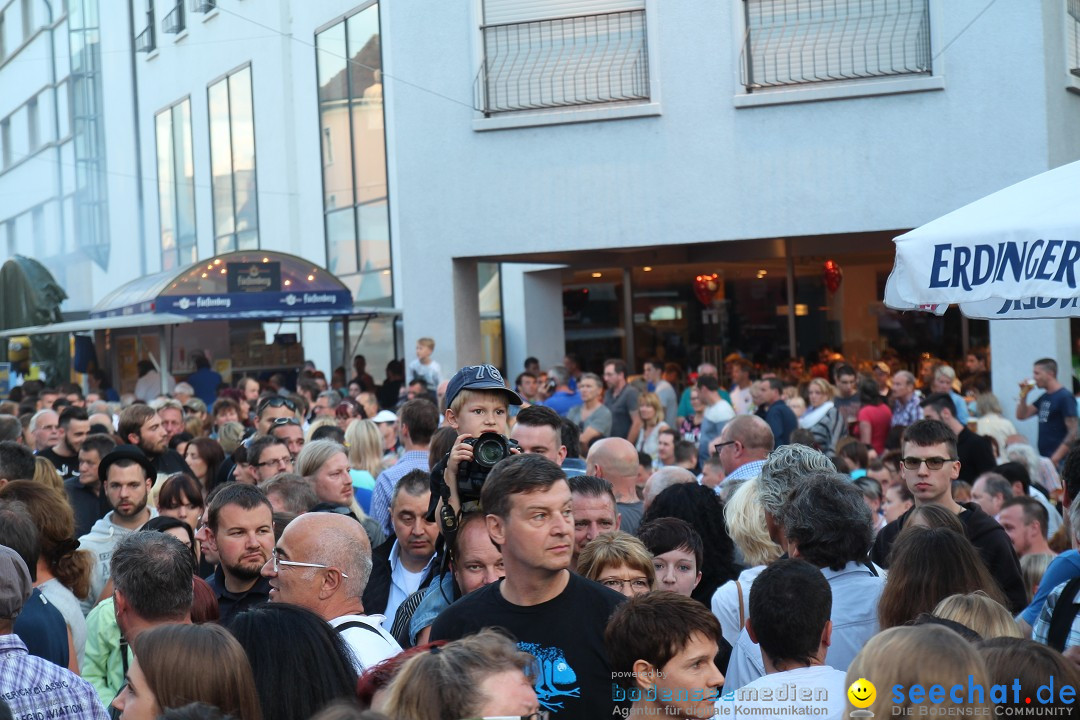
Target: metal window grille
<point>202,6</point>
<point>580,60</point>
<point>173,23</point>
<point>795,42</point>
<point>144,41</point>
<point>1073,29</point>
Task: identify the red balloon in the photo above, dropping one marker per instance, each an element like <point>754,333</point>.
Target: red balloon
<point>706,287</point>
<point>832,275</point>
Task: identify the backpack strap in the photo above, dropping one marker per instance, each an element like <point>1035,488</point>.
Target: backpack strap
<point>356,624</point>
<point>742,611</point>
<point>1061,619</point>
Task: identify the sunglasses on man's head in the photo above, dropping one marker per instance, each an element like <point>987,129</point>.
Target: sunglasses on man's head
<point>276,401</point>
<point>278,422</point>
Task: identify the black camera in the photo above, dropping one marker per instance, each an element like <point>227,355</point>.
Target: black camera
<point>488,450</point>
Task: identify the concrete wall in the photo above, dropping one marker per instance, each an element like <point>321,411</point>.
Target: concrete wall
<point>703,170</point>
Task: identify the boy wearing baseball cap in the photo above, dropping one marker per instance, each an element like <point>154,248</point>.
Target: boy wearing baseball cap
<point>477,401</point>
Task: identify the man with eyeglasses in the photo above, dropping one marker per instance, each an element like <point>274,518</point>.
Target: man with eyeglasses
<point>270,409</point>
<point>269,456</point>
<point>322,562</point>
<point>743,445</point>
<point>288,431</point>
<point>928,467</point>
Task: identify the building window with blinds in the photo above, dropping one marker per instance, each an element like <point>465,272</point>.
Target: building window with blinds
<point>798,42</point>
<point>562,53</point>
<point>176,185</point>
<point>232,162</point>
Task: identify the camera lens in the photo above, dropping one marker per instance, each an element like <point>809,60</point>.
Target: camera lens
<point>488,452</point>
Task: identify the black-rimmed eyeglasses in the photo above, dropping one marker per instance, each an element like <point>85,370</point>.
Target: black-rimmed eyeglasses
<point>716,448</point>
<point>932,463</point>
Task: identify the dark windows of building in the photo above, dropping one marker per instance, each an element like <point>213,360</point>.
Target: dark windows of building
<point>176,185</point>
<point>355,198</point>
<point>232,162</point>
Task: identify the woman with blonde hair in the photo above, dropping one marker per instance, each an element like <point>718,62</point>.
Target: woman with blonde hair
<point>45,474</point>
<point>822,417</point>
<point>364,443</point>
<point>63,571</point>
<point>482,675</point>
<point>745,520</point>
<point>976,610</point>
<point>620,562</point>
<point>179,664</point>
<point>651,411</point>
<point>920,655</point>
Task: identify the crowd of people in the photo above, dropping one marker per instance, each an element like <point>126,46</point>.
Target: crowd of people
<point>573,545</point>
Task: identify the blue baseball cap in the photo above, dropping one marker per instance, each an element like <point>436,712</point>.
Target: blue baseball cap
<point>479,377</point>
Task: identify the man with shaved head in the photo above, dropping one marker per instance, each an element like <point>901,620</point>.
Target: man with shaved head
<point>742,447</point>
<point>322,562</point>
<point>616,460</point>
<point>661,480</point>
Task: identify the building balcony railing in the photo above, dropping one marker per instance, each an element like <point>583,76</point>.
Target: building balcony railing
<point>173,23</point>
<point>202,6</point>
<point>796,42</point>
<point>145,41</point>
<point>561,62</point>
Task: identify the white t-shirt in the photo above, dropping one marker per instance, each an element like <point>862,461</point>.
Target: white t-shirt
<point>819,686</point>
<point>742,400</point>
<point>725,603</point>
<point>370,644</point>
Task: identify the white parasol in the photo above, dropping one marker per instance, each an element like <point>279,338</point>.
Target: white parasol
<point>1012,254</point>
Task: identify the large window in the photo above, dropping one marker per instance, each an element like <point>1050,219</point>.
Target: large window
<point>795,42</point>
<point>562,53</point>
<point>232,163</point>
<point>355,198</point>
<point>176,185</point>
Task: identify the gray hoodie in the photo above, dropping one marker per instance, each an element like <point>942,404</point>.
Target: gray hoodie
<point>100,542</point>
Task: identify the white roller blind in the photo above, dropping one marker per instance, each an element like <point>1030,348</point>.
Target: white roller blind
<point>508,11</point>
<point>800,41</point>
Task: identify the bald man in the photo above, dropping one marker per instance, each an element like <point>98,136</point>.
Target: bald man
<point>322,562</point>
<point>616,460</point>
<point>661,480</point>
<point>742,447</point>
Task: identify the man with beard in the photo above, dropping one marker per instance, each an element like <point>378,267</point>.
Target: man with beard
<point>128,476</point>
<point>240,530</point>
<point>64,455</point>
<point>141,425</point>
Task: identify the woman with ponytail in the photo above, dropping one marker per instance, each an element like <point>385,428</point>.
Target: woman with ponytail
<point>63,571</point>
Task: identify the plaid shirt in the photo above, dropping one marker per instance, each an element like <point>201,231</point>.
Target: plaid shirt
<point>907,413</point>
<point>33,687</point>
<point>1041,630</point>
<point>387,481</point>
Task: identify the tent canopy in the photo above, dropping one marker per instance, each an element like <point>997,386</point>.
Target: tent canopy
<point>247,284</point>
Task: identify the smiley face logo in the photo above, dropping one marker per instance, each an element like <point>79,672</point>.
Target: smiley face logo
<point>862,693</point>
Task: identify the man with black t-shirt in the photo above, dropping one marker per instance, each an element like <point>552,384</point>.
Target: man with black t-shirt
<point>555,615</point>
<point>64,455</point>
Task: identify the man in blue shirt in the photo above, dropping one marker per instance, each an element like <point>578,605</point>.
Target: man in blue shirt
<point>562,398</point>
<point>1056,409</point>
<point>204,380</point>
<point>780,418</point>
